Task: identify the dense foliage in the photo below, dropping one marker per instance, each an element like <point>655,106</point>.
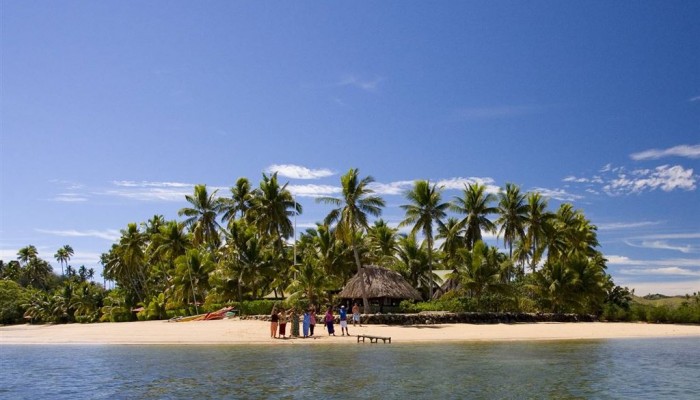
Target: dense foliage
<point>238,249</point>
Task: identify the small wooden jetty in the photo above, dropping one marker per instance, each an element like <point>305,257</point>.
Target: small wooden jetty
<point>373,339</point>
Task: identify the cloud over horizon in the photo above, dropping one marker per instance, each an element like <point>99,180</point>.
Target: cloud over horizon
<point>616,181</point>
<point>684,150</point>
<point>109,234</point>
<point>299,172</point>
<point>664,177</point>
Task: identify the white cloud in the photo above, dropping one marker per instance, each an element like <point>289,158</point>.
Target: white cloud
<point>149,184</point>
<point>109,234</point>
<point>150,194</point>
<point>299,172</point>
<point>684,150</point>
<point>368,85</point>
<point>70,198</point>
<point>392,188</point>
<point>313,190</point>
<point>625,225</point>
<point>661,242</point>
<point>694,235</point>
<point>576,180</point>
<point>671,262</point>
<point>616,181</point>
<point>151,191</point>
<point>696,98</point>
<point>664,271</point>
<point>663,245</point>
<point>459,183</point>
<point>67,185</point>
<point>558,194</point>
<point>618,260</point>
<point>666,178</point>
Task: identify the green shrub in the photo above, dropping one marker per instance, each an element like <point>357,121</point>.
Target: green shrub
<point>12,298</point>
<point>257,307</point>
<point>451,305</point>
<point>659,314</point>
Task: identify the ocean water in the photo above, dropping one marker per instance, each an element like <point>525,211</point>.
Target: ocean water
<point>607,369</point>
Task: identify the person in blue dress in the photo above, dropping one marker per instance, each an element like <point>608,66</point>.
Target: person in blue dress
<point>306,322</point>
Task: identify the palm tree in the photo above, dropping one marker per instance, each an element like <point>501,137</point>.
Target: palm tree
<point>571,235</point>
<point>537,223</point>
<point>272,206</point>
<point>513,214</point>
<point>27,254</point>
<point>351,214</point>
<point>425,210</point>
<point>309,281</point>
<point>192,275</point>
<point>240,201</point>
<point>152,226</point>
<point>483,272</point>
<point>412,262</point>
<point>452,241</point>
<point>68,251</point>
<point>61,257</point>
<point>126,262</point>
<point>332,255</point>
<point>201,217</point>
<point>171,241</point>
<point>382,242</point>
<point>475,204</point>
<point>35,270</point>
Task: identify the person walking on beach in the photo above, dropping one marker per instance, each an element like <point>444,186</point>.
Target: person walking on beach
<point>356,315</point>
<point>283,323</point>
<point>312,320</point>
<point>306,322</point>
<point>329,321</point>
<point>344,321</point>
<point>274,320</point>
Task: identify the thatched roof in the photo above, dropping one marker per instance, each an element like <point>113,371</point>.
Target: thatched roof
<point>380,283</point>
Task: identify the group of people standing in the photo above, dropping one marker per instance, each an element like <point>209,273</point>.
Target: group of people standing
<point>279,318</point>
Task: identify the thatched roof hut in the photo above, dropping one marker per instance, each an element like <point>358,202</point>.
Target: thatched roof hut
<point>380,283</point>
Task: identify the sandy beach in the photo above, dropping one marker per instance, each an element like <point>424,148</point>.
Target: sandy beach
<point>235,331</point>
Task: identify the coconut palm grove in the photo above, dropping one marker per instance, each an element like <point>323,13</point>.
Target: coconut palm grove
<point>239,249</point>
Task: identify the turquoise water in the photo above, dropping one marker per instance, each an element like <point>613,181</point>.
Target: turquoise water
<point>610,369</point>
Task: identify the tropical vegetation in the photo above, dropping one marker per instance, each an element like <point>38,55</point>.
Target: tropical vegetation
<point>240,249</point>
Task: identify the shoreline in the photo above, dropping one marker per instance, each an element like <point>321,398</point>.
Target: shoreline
<point>250,332</point>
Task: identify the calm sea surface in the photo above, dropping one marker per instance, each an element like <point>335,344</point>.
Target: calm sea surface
<point>610,369</point>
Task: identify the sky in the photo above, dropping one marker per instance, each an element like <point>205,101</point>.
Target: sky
<point>112,111</point>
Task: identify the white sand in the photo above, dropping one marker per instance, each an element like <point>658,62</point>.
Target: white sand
<point>235,331</point>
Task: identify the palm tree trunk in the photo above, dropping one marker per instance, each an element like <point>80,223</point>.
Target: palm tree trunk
<point>240,283</point>
<point>361,272</point>
<point>430,267</point>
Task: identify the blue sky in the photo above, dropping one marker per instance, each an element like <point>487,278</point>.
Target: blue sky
<point>112,111</point>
